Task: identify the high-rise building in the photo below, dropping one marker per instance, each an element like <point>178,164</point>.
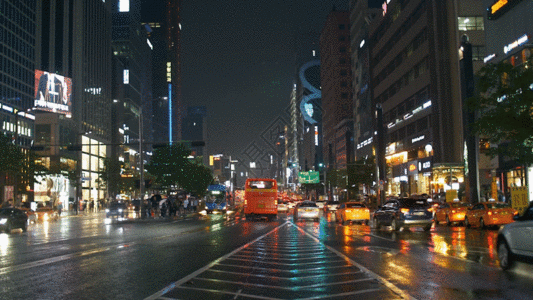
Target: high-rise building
<point>17,42</point>
<point>508,33</point>
<point>335,77</point>
<point>195,130</point>
<point>74,66</point>
<point>132,47</point>
<point>362,13</point>
<point>415,77</point>
<point>163,18</point>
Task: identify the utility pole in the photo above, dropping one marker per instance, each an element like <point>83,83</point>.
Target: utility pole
<point>141,183</point>
<point>380,154</point>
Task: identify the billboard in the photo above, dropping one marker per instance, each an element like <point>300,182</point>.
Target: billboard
<point>53,93</point>
<point>308,177</point>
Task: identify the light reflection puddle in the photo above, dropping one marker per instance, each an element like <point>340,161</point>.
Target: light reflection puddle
<point>377,249</point>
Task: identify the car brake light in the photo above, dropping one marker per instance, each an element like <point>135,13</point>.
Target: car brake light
<point>453,211</point>
<point>404,210</point>
<point>275,202</point>
<point>490,213</point>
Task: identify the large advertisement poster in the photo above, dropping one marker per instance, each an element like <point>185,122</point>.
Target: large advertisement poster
<point>53,93</point>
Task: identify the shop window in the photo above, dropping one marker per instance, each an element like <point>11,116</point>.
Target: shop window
<point>470,23</point>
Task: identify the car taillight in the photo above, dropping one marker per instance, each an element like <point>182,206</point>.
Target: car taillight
<point>453,211</point>
<point>490,213</point>
<point>404,210</point>
<point>245,202</point>
<point>275,202</point>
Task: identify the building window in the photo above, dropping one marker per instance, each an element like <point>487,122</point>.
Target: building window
<point>344,95</point>
<point>344,84</point>
<point>342,38</point>
<point>470,23</point>
<point>342,61</point>
<point>478,53</point>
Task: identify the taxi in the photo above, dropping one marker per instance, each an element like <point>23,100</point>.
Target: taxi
<point>46,214</point>
<point>352,211</point>
<point>490,214</point>
<point>283,206</point>
<point>452,212</point>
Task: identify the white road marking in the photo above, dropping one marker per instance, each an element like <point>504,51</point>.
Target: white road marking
<point>384,281</point>
<point>211,264</point>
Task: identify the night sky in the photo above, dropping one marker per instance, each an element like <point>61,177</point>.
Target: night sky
<point>239,59</point>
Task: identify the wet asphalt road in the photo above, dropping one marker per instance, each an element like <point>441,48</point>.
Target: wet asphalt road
<point>225,257</point>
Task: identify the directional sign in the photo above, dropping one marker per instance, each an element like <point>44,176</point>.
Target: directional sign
<point>308,177</point>
<point>519,198</point>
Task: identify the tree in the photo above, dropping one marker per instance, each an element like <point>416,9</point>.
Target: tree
<point>170,165</point>
<point>505,108</point>
<point>110,176</point>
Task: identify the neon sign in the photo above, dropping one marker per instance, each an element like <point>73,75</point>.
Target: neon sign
<point>500,7</point>
<point>519,42</point>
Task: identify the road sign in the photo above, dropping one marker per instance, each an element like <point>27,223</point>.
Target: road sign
<point>308,177</point>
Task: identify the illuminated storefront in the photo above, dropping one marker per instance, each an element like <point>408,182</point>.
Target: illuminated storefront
<point>92,161</point>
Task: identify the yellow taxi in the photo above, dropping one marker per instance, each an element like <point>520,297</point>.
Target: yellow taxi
<point>352,211</point>
<point>451,212</point>
<point>45,214</point>
<point>490,214</point>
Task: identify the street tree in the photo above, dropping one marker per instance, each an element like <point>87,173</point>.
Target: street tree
<point>505,110</point>
<point>170,165</point>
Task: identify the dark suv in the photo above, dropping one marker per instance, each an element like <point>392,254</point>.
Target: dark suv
<point>404,212</point>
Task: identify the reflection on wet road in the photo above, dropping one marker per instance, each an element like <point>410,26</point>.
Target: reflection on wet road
<point>286,263</point>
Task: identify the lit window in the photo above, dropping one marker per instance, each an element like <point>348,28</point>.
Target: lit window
<point>470,23</point>
<point>124,5</point>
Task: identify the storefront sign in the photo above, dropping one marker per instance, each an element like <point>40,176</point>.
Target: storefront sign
<point>500,7</point>
<point>424,165</point>
<point>519,198</point>
<point>418,139</point>
<point>520,41</point>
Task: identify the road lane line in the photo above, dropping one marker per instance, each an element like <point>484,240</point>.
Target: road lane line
<point>382,280</point>
<point>282,278</point>
<point>211,264</point>
<point>290,288</point>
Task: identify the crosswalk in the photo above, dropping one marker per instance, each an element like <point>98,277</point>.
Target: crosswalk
<point>286,263</point>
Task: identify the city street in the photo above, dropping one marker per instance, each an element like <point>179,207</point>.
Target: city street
<point>225,257</point>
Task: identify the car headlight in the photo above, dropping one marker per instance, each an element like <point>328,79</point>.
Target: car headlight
<point>3,221</point>
<point>107,210</point>
<point>120,210</point>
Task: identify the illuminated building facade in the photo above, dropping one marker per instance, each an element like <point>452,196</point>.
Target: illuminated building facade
<point>17,32</point>
<point>509,35</point>
<point>74,42</point>
<point>415,77</point>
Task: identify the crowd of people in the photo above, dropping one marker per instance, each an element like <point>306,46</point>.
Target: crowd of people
<point>157,206</point>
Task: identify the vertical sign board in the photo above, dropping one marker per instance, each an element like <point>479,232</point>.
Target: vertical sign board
<point>519,198</point>
<point>494,189</point>
<point>8,192</point>
<point>451,195</point>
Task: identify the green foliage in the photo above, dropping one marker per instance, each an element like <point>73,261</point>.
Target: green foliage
<point>505,109</point>
<point>170,165</point>
<point>110,176</point>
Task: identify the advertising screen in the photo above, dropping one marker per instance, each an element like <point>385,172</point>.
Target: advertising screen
<point>53,93</point>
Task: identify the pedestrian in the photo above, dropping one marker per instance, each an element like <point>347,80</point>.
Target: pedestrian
<point>59,208</point>
<point>195,205</point>
<point>185,204</point>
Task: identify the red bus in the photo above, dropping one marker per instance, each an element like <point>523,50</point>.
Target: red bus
<point>261,198</point>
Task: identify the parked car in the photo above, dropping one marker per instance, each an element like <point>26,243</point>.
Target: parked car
<point>352,211</point>
<point>404,212</point>
<point>489,214</point>
<point>116,209</point>
<point>331,205</point>
<point>453,212</point>
<point>12,218</point>
<point>46,214</point>
<point>306,210</point>
<point>515,240</point>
